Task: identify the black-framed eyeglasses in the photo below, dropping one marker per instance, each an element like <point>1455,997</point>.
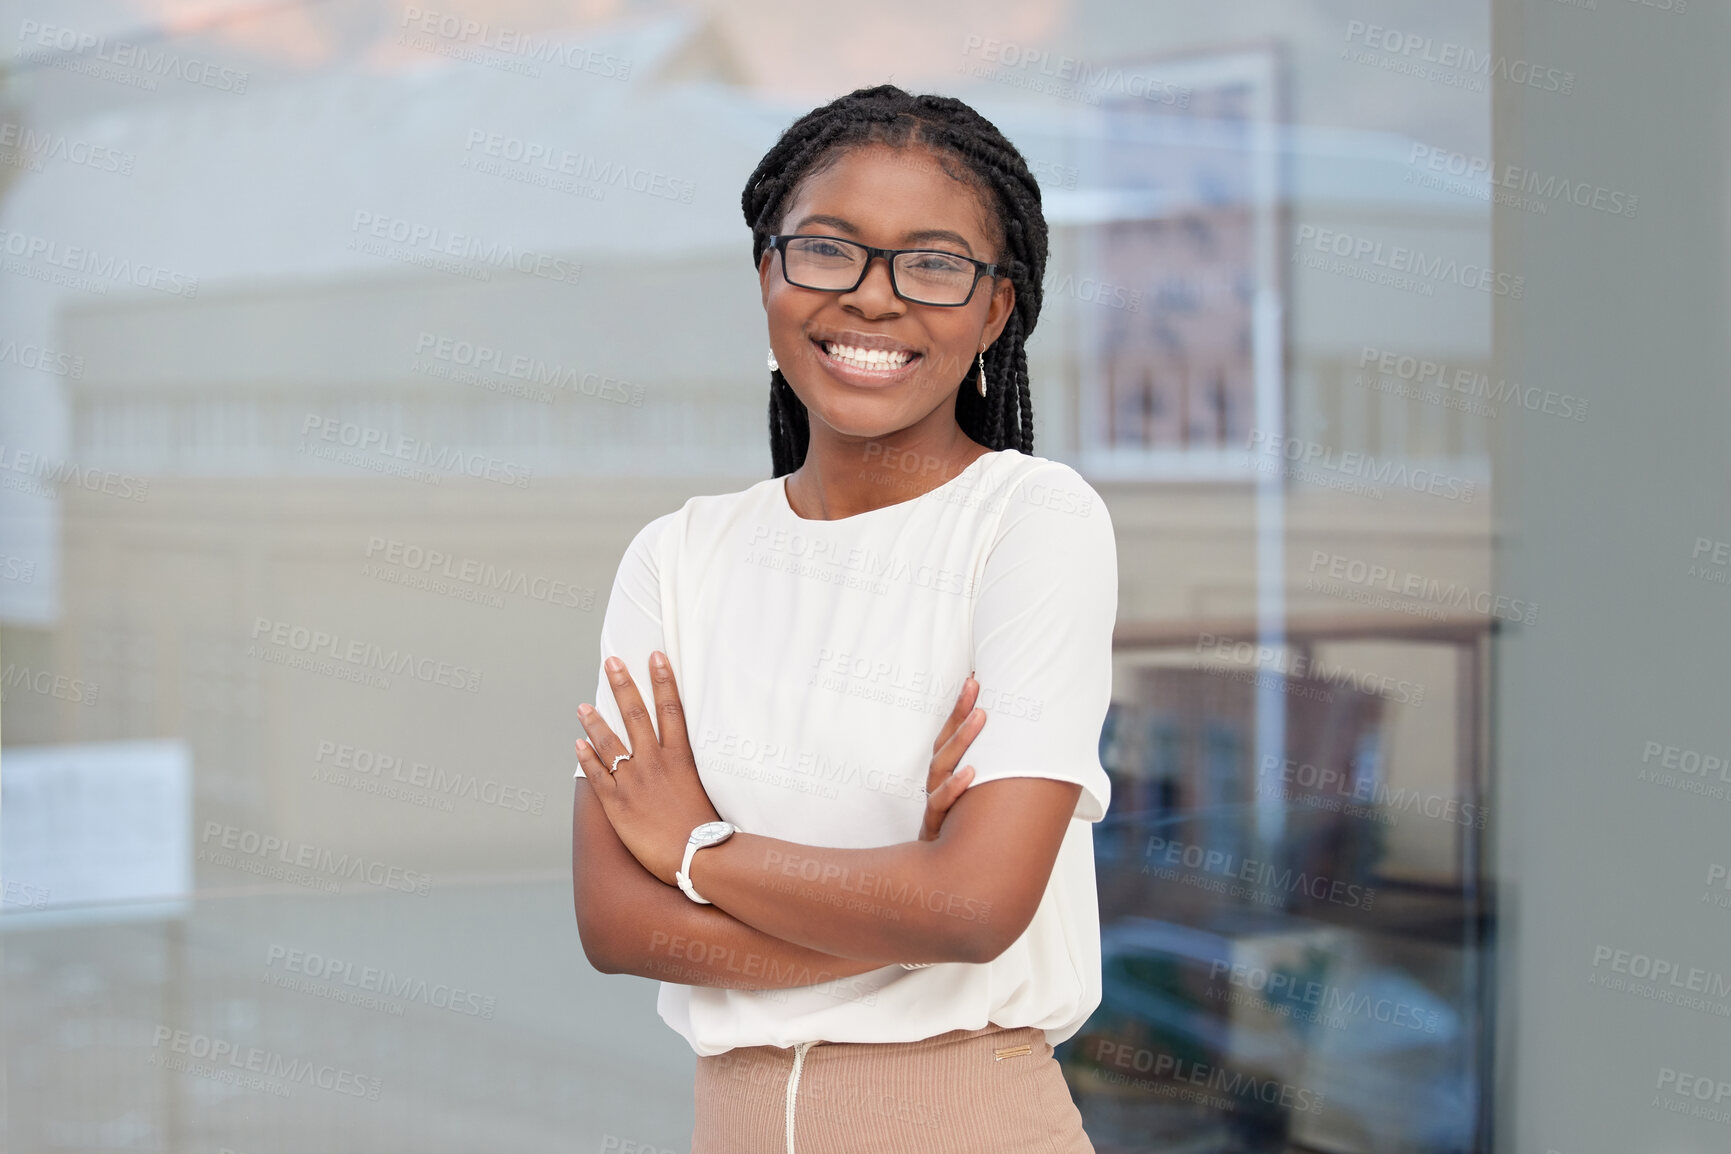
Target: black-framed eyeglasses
<point>922,276</point>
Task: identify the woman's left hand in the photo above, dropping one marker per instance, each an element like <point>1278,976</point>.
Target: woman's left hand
<point>655,799</point>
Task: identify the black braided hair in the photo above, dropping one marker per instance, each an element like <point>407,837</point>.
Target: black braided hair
<point>1003,419</point>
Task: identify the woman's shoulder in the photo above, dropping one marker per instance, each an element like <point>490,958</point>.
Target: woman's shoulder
<point>1023,484</point>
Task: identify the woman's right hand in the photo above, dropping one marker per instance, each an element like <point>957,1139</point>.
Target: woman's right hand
<point>943,783</point>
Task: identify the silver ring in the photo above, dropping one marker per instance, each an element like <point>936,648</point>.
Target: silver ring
<point>614,768</point>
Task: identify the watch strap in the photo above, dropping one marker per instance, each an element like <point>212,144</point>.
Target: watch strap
<point>683,876</point>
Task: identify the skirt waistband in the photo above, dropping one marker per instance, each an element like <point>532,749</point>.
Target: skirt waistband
<point>936,1041</point>
<point>992,1090</point>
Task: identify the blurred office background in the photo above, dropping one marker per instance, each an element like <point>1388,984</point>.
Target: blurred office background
<point>1393,335</point>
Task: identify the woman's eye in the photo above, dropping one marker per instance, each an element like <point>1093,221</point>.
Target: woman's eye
<point>820,248</point>
<point>937,263</point>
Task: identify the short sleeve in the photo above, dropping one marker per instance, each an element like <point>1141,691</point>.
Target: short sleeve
<point>631,628</point>
<point>1043,618</point>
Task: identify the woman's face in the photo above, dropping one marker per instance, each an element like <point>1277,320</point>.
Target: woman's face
<point>890,198</point>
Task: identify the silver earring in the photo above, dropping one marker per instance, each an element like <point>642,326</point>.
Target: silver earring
<point>982,372</point>
<point>774,364</point>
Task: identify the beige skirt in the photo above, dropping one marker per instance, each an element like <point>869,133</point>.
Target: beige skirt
<point>994,1090</point>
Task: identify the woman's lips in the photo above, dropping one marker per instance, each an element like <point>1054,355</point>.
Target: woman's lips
<point>855,375</point>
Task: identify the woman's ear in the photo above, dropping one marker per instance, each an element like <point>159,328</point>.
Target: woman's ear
<point>998,314</point>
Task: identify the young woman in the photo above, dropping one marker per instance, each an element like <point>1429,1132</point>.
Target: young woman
<point>858,961</point>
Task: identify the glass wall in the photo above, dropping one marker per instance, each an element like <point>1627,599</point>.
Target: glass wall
<point>345,346</point>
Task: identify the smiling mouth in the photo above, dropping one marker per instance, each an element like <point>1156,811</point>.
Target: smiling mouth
<point>867,360</point>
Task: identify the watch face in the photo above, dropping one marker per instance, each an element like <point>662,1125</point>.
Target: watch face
<point>711,832</point>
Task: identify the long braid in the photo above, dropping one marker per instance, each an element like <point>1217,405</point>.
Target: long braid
<point>886,114</point>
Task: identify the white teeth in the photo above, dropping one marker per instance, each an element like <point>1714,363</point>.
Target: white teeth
<point>868,358</point>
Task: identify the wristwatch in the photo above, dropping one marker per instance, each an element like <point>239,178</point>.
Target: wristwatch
<point>707,834</point>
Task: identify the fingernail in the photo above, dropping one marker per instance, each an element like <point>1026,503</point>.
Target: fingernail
<point>585,710</point>
<point>614,665</point>
<point>658,659</point>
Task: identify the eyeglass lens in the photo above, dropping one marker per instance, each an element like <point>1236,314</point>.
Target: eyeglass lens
<point>925,277</point>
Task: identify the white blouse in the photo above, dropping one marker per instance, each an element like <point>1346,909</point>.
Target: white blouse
<point>817,661</point>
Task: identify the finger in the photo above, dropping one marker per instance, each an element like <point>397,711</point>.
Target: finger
<point>964,702</point>
<point>671,722</point>
<point>941,799</point>
<point>949,755</point>
<point>639,725</point>
<point>594,770</point>
<point>607,746</point>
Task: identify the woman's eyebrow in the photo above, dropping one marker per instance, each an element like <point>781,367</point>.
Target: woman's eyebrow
<point>914,237</point>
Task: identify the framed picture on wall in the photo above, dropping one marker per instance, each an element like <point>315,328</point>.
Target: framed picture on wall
<point>1184,220</point>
